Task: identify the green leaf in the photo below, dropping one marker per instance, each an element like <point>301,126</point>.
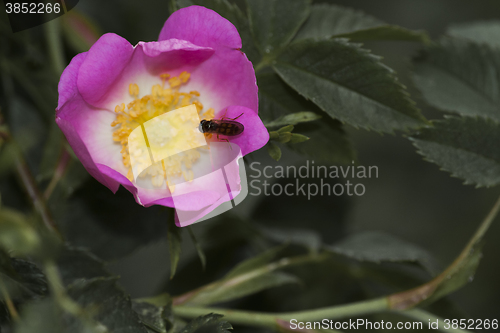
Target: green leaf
<point>486,32</point>
<point>156,313</point>
<point>76,263</point>
<point>232,13</point>
<point>16,233</point>
<point>329,144</point>
<point>460,76</point>
<point>151,316</point>
<point>284,137</point>
<point>277,99</point>
<point>387,33</point>
<point>379,247</point>
<point>285,129</point>
<point>23,280</point>
<point>466,147</point>
<point>108,304</point>
<point>274,151</point>
<point>274,23</point>
<point>293,119</point>
<point>199,250</point>
<point>209,320</point>
<point>326,21</point>
<point>349,83</point>
<point>174,244</point>
<point>298,138</point>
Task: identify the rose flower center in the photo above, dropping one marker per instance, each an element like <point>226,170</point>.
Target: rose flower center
<point>161,100</point>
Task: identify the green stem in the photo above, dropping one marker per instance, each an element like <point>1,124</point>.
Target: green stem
<point>270,320</point>
<point>53,35</point>
<point>485,224</point>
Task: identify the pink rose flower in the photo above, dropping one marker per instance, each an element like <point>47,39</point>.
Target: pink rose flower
<point>114,87</point>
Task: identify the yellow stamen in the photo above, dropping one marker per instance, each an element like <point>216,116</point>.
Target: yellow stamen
<point>133,89</point>
<point>160,101</point>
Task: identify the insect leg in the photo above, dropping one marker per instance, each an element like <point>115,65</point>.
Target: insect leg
<point>224,116</point>
<point>223,139</point>
<point>237,117</point>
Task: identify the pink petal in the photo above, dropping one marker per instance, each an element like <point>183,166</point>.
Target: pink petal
<point>144,66</point>
<point>201,26</point>
<point>66,119</point>
<point>67,84</point>
<point>104,63</point>
<point>228,76</point>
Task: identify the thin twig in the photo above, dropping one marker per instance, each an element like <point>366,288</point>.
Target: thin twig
<point>34,194</point>
<point>62,166</point>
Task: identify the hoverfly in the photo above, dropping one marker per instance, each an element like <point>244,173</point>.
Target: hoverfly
<point>224,126</point>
